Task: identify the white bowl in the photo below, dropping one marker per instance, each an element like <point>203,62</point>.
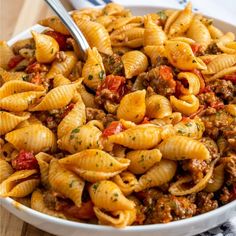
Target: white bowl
<point>186,227</point>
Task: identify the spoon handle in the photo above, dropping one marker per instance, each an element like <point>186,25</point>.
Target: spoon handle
<point>61,12</point>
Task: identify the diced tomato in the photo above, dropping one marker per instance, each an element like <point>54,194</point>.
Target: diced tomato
<point>37,79</point>
<point>185,119</point>
<point>14,61</point>
<point>201,79</point>
<point>167,74</point>
<point>200,109</point>
<point>114,83</point>
<point>217,105</point>
<point>33,67</point>
<point>231,77</point>
<point>145,120</point>
<point>85,212</point>
<point>178,88</point>
<point>25,161</point>
<point>60,38</point>
<point>195,47</point>
<point>114,128</point>
<point>67,110</point>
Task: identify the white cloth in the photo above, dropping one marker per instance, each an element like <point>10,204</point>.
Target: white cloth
<point>220,9</point>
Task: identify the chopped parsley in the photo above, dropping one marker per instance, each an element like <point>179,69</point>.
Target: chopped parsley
<point>162,15</point>
<point>95,186</point>
<point>101,74</point>
<point>90,77</point>
<point>73,132</point>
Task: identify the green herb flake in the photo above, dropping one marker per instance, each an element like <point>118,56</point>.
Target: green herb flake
<point>101,74</point>
<point>188,124</point>
<point>95,186</point>
<point>162,15</point>
<point>90,77</point>
<point>52,50</point>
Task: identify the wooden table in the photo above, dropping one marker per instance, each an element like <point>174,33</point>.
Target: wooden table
<point>15,16</point>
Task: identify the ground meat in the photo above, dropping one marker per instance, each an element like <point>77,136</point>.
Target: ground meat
<point>113,64</point>
<point>97,114</point>
<point>169,208</point>
<point>230,168</point>
<point>205,202</point>
<point>224,89</point>
<point>215,121</point>
<point>159,84</point>
<point>212,49</point>
<point>229,134</point>
<point>225,196</point>
<point>197,168</point>
<point>61,56</point>
<point>211,146</point>
<point>208,98</point>
<point>51,200</point>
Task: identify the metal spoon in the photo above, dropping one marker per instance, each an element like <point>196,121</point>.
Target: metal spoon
<point>66,19</point>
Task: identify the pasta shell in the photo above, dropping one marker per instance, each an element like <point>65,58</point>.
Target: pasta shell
<point>43,162</point>
<point>182,148</point>
<point>154,53</point>
<point>18,86</point>
<point>193,83</point>
<point>75,118</point>
<point>46,47</point>
<point>94,165</point>
<point>65,182</point>
<point>190,128</point>
<point>6,54</point>
<point>9,121</point>
<point>132,106</point>
<point>58,97</point>
<point>181,187</point>
<point>5,170</point>
<point>158,106</point>
<point>126,181</point>
<point>19,184</point>
<point>182,21</point>
<point>37,203</point>
<point>20,101</point>
<point>55,24</point>
<point>181,56</point>
<point>118,219</point>
<point>6,151</point>
<point>7,75</point>
<point>112,9</point>
<point>222,73</point>
<point>199,32</point>
<point>107,195</point>
<point>31,121</point>
<point>85,137</point>
<point>135,62</point>
<point>93,71</point>
<point>219,63</point>
<point>214,32</point>
<point>34,138</point>
<point>187,104</point>
<point>153,34</point>
<point>159,174</point>
<point>231,109</point>
<point>96,35</point>
<point>88,98</point>
<point>142,160</point>
<point>139,137</point>
<point>64,67</point>
<point>217,179</point>
<point>60,80</point>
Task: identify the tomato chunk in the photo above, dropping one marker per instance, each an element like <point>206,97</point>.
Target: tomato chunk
<point>14,61</point>
<point>25,161</point>
<point>60,38</point>
<point>195,47</point>
<point>231,77</point>
<point>114,128</point>
<point>85,212</point>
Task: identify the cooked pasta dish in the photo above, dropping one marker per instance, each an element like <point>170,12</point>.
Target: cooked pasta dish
<point>142,132</point>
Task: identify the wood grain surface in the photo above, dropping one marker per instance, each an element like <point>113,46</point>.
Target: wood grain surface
<point>16,16</point>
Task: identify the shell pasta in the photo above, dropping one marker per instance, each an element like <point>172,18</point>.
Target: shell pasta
<point>140,132</point>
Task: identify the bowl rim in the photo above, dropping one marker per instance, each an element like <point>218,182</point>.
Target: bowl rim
<point>74,224</point>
